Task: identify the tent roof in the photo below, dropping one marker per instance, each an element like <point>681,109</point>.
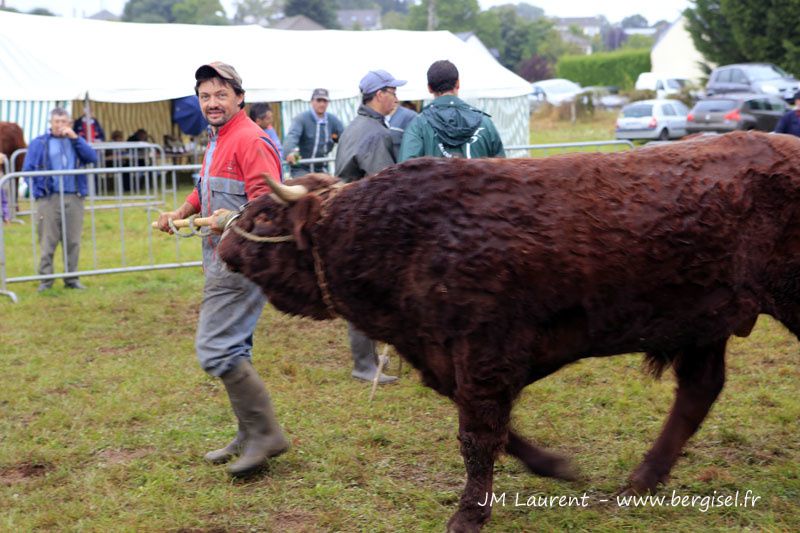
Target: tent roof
<point>55,58</point>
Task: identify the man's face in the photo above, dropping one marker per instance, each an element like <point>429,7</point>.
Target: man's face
<point>319,105</point>
<point>265,121</point>
<point>387,99</point>
<point>218,101</point>
<point>59,123</point>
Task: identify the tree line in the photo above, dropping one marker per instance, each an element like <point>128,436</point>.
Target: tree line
<point>735,31</point>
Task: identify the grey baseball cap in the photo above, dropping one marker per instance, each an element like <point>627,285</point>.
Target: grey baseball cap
<point>218,68</point>
<point>321,94</point>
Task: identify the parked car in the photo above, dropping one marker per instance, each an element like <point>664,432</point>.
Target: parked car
<point>664,86</point>
<point>605,97</point>
<point>553,91</point>
<point>652,119</point>
<point>735,111</point>
<point>764,78</point>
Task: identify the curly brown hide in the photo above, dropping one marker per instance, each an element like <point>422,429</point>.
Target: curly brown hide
<point>490,274</point>
<point>11,139</point>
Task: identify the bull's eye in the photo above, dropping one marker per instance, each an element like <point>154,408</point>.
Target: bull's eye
<point>263,220</point>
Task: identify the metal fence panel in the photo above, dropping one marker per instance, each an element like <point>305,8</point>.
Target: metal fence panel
<point>155,190</point>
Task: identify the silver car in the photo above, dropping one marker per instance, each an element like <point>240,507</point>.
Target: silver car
<point>652,119</point>
<point>764,78</point>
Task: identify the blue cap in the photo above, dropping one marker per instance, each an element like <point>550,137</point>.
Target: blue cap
<point>378,79</point>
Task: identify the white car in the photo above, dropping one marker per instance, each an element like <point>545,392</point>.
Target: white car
<point>652,119</point>
<point>664,86</point>
<point>554,91</point>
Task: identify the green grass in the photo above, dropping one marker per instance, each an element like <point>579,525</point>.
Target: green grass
<point>546,128</point>
<point>105,416</point>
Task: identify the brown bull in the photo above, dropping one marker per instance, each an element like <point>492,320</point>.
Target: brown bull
<point>488,275</point>
<point>11,139</point>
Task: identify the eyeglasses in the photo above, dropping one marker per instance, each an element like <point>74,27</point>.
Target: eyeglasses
<point>393,92</point>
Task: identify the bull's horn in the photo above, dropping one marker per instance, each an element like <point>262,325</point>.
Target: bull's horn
<point>288,193</point>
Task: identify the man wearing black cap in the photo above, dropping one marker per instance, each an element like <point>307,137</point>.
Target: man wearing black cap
<point>312,135</point>
<point>366,148</point>
<point>448,126</point>
<point>238,152</point>
<point>790,121</point>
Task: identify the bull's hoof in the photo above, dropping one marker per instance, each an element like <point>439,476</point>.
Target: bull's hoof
<point>459,524</point>
<point>642,482</point>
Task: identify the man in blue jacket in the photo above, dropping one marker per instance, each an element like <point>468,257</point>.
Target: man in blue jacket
<point>790,121</point>
<point>59,149</point>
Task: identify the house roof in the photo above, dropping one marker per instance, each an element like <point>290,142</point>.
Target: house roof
<point>104,14</point>
<point>298,22</point>
<point>579,21</point>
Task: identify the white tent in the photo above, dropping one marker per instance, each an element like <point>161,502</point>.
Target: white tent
<point>60,59</point>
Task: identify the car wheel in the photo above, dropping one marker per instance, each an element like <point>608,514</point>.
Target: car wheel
<point>664,135</point>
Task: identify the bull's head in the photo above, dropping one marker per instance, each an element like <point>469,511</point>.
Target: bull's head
<point>302,208</point>
<point>284,270</point>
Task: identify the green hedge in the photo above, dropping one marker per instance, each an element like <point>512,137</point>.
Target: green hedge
<point>620,68</point>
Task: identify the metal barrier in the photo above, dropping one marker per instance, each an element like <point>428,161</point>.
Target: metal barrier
<point>127,154</point>
<point>5,192</point>
<point>561,146</point>
<point>156,174</point>
<point>116,155</point>
<point>287,168</point>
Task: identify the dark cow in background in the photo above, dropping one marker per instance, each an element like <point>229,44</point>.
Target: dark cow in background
<point>488,275</point>
<point>11,139</point>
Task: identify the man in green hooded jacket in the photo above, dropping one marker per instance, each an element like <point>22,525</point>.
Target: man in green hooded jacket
<point>448,127</point>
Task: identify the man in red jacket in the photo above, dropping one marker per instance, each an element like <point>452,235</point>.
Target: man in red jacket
<point>236,155</point>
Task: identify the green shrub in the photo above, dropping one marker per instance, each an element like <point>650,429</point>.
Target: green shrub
<point>619,68</point>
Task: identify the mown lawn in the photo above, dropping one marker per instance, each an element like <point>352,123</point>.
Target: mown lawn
<point>105,415</point>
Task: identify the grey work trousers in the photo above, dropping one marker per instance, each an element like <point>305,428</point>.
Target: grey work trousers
<point>228,316</point>
<point>48,210</point>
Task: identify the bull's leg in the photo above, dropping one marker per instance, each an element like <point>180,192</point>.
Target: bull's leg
<point>701,375</point>
<point>484,395</point>
<point>539,461</point>
<point>483,426</point>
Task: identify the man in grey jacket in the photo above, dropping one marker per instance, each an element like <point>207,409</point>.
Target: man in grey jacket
<point>366,148</point>
<point>312,135</point>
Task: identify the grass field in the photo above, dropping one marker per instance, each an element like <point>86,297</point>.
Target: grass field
<point>105,416</point>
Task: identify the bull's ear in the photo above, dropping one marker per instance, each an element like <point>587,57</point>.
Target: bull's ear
<point>303,214</point>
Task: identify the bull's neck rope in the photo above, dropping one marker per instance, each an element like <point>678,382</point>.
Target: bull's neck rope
<point>319,268</point>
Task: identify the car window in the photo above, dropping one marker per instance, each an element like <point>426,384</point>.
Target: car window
<point>659,86</point>
<point>724,76</point>
<point>638,111</point>
<point>681,108</point>
<point>737,76</point>
<point>714,106</point>
<point>675,83</point>
<point>776,105</point>
<point>765,72</point>
<point>668,110</point>
<point>756,104</point>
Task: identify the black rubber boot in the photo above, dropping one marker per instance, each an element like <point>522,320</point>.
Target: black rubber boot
<point>365,359</point>
<point>263,437</point>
